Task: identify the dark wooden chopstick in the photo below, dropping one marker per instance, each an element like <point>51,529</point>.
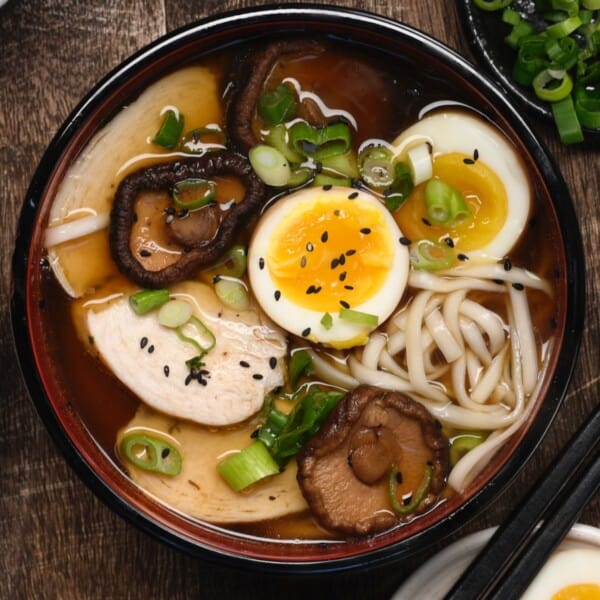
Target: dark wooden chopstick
<point>519,547</point>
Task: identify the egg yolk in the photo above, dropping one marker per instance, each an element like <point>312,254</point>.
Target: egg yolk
<point>483,192</point>
<point>578,591</point>
<point>331,251</point>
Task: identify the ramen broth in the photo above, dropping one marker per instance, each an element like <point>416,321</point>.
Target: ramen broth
<point>384,99</point>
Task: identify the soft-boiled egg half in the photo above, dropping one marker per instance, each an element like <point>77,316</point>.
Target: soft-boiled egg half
<point>568,575</point>
<point>474,158</point>
<point>327,264</point>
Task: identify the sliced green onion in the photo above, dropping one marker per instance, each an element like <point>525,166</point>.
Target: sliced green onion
<point>300,176</point>
<point>591,4</point>
<point>195,141</point>
<point>358,317</point>
<point>417,497</point>
<point>233,263</point>
<point>587,105</point>
<point>320,142</point>
<point>232,292</point>
<point>562,52</point>
<point>445,205</point>
<point>426,255</point>
<point>327,321</point>
<point>170,130</point>
<point>552,86</point>
<point>420,164</point>
<point>322,179</point>
<point>174,313</point>
<point>375,165</point>
<point>300,364</point>
<point>564,28</point>
<point>270,165</point>
<point>519,31</point>
<point>462,443</point>
<point>277,106</point>
<point>192,194</point>
<point>195,332</point>
<point>279,138</point>
<point>151,453</point>
<point>531,59</point>
<point>247,466</point>
<point>146,300</point>
<point>342,164</point>
<point>401,187</point>
<point>309,413</point>
<point>491,4</point>
<point>565,117</point>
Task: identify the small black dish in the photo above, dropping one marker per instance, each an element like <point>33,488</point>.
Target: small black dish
<point>485,35</point>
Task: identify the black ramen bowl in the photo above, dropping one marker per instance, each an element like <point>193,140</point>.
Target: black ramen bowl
<point>45,375</point>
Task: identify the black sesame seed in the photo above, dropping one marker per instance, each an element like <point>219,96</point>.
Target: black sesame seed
<point>303,262</point>
<point>350,252</point>
<point>398,477</point>
<point>261,263</point>
<point>257,376</point>
<point>405,241</point>
<point>327,187</point>
<point>337,212</point>
<point>518,286</point>
<point>254,434</point>
<point>498,281</point>
<point>143,342</point>
<point>151,349</point>
<point>407,500</point>
<point>169,210</point>
<point>313,289</point>
<point>468,161</point>
<point>309,247</point>
<point>334,263</point>
<point>342,259</point>
<point>272,362</point>
<point>244,364</point>
<point>507,264</point>
<point>352,195</point>
<point>365,230</point>
<point>475,154</point>
<point>183,213</point>
<point>449,242</point>
<point>342,276</point>
<point>202,381</point>
<point>348,287</point>
<point>306,332</point>
<point>462,257</point>
<point>426,222</point>
<point>324,236</point>
<point>166,370</point>
<point>165,452</point>
<point>277,295</point>
<point>188,379</point>
<point>318,167</point>
<point>145,253</point>
<point>344,304</point>
<point>216,278</point>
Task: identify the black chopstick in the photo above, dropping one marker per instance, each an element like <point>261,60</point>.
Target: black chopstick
<point>519,548</point>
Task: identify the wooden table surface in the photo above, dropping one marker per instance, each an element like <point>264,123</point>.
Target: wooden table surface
<point>57,540</point>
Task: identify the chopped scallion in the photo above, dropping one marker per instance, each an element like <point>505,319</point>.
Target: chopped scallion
<point>462,443</point>
<point>327,321</point>
<point>445,205</point>
<point>146,300</point>
<point>300,364</point>
<point>270,165</point>
<point>247,466</point>
<point>170,130</point>
<point>358,317</point>
<point>195,332</point>
<point>174,313</point>
<point>277,106</point>
<point>417,497</point>
<point>192,194</point>
<point>151,453</point>
<point>427,255</point>
<point>232,292</point>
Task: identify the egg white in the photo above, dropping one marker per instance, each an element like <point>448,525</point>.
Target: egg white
<point>304,321</point>
<point>455,131</point>
<point>565,568</point>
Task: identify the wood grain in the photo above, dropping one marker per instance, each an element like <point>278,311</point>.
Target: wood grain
<point>56,539</point>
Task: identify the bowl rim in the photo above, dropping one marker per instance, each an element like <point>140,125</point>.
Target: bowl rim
<point>22,265</point>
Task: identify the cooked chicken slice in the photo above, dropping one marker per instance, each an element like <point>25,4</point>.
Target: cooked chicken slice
<point>245,363</point>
